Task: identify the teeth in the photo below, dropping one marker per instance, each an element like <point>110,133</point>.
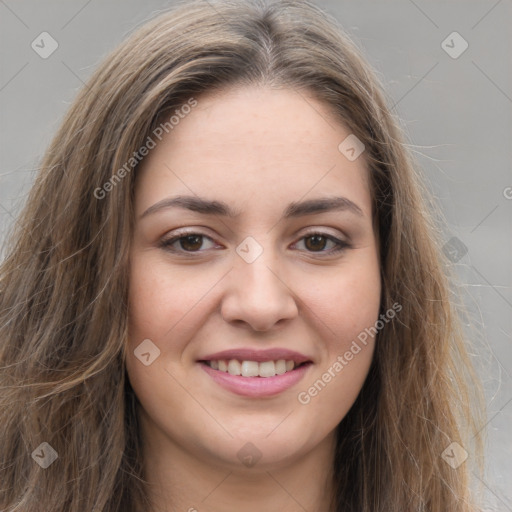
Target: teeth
<point>252,368</point>
<point>234,367</point>
<point>280,366</point>
<point>267,369</point>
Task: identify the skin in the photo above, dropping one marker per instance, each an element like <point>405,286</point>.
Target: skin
<point>256,149</point>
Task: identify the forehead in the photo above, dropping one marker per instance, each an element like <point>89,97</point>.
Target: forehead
<point>279,143</point>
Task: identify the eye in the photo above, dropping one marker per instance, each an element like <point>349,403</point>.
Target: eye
<point>317,242</point>
<point>187,242</point>
<point>190,242</point>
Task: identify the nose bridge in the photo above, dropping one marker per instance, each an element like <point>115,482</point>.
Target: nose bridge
<point>258,277</point>
<point>253,272</point>
<point>257,294</point>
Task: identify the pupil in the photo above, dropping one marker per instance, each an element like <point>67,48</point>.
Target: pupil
<point>318,242</point>
<point>192,241</point>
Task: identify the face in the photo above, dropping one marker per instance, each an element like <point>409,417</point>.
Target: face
<point>254,269</point>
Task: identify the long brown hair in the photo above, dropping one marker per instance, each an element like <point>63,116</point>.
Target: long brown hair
<point>63,283</point>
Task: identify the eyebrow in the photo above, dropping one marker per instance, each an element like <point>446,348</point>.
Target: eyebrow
<point>295,209</point>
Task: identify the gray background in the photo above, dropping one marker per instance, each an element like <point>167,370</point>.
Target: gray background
<point>456,113</point>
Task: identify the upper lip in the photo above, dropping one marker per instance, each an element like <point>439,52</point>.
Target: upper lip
<point>247,354</point>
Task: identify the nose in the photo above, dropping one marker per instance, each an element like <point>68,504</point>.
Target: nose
<point>257,296</point>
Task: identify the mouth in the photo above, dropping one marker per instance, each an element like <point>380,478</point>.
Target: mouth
<point>256,374</point>
<point>251,369</point>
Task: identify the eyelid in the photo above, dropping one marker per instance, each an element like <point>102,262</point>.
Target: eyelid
<point>341,244</point>
<point>166,242</point>
<point>323,232</point>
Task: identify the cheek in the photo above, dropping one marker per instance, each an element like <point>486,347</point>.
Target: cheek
<point>160,301</point>
<point>158,307</point>
<point>346,306</point>
<point>348,301</point>
<point>347,311</point>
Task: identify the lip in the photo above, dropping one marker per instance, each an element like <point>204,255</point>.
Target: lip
<point>245,354</point>
<point>256,386</point>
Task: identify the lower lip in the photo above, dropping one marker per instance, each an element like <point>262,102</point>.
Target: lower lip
<point>256,386</point>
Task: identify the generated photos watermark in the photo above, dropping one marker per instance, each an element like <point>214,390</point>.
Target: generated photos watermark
<point>454,455</point>
<point>305,397</point>
<point>136,158</point>
<point>45,455</point>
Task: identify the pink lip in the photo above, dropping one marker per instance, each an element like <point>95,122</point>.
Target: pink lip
<point>256,386</point>
<point>244,354</point>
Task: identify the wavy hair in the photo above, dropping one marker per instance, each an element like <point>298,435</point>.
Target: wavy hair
<point>64,279</point>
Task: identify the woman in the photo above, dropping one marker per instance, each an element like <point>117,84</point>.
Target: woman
<point>225,289</point>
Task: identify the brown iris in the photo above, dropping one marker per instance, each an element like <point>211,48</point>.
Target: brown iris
<point>315,242</point>
<point>191,242</point>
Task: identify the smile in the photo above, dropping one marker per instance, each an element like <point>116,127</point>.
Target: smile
<point>253,368</point>
<point>229,376</point>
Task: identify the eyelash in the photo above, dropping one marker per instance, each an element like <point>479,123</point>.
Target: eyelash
<point>166,244</point>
